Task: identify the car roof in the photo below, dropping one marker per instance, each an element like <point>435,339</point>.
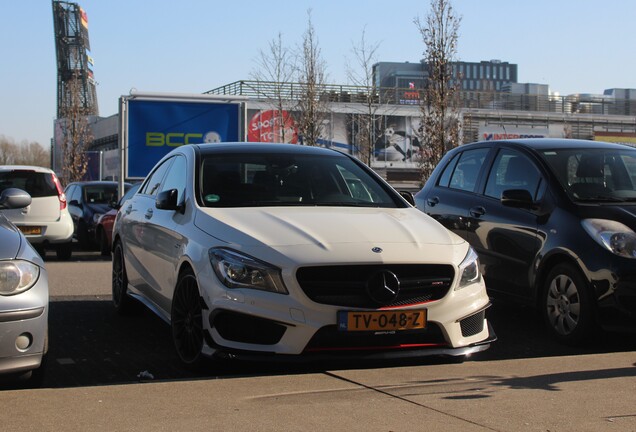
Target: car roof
<point>246,147</point>
<point>557,143</point>
<point>97,183</point>
<point>25,168</point>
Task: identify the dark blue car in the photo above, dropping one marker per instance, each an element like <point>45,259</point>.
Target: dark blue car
<point>87,202</point>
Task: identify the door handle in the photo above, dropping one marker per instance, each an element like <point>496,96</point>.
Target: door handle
<point>477,211</point>
<point>432,201</point>
<point>148,214</point>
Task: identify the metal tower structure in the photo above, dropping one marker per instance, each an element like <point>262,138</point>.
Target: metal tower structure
<point>74,64</point>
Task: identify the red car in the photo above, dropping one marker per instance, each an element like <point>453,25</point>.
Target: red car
<point>104,228</point>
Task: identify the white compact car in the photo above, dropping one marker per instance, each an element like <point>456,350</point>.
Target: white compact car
<point>46,222</point>
<point>279,250</point>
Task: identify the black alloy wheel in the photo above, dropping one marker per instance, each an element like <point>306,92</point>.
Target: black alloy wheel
<point>121,300</point>
<point>567,307</point>
<point>187,320</point>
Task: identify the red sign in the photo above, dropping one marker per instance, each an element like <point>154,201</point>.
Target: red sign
<point>271,126</point>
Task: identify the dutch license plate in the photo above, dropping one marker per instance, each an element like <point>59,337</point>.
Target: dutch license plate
<point>31,230</point>
<point>382,320</point>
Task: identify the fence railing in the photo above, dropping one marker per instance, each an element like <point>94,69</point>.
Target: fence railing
<point>571,104</point>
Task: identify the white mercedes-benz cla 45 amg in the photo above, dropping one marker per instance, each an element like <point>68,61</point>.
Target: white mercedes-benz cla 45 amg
<point>290,252</point>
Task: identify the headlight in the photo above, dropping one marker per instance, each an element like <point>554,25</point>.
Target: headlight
<point>236,270</point>
<point>612,235</point>
<point>469,270</point>
<point>17,276</point>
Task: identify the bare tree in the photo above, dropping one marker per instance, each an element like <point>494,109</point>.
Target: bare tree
<point>7,151</point>
<point>439,108</point>
<point>366,123</point>
<point>312,109</point>
<point>25,153</point>
<point>76,132</point>
<point>274,75</point>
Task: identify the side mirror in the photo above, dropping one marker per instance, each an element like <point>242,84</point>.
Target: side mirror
<point>519,198</point>
<point>75,203</point>
<point>408,196</point>
<point>14,198</point>
<point>167,200</point>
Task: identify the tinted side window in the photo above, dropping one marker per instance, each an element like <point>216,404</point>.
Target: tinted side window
<point>151,187</point>
<point>466,173</point>
<point>176,177</point>
<point>71,193</point>
<point>444,179</point>
<point>512,170</point>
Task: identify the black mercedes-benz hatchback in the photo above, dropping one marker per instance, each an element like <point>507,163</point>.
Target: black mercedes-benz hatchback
<point>553,222</point>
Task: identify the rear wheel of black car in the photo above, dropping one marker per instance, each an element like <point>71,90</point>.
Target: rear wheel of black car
<point>104,247</point>
<point>567,307</point>
<point>123,303</point>
<point>187,320</point>
<point>64,251</point>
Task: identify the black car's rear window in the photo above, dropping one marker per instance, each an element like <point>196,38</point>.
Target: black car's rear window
<point>36,184</point>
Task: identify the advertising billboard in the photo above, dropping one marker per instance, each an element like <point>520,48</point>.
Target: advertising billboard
<point>153,126</point>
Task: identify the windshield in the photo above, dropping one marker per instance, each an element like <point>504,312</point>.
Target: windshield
<point>248,180</point>
<point>595,174</point>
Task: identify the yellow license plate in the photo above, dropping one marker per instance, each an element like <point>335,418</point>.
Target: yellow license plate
<point>382,320</point>
<point>31,230</point>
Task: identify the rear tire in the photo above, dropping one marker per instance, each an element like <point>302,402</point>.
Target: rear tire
<point>123,303</point>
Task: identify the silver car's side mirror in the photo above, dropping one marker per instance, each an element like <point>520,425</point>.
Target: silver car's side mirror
<point>14,198</point>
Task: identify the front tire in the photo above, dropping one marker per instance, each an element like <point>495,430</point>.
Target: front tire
<point>567,307</point>
<point>187,320</point>
<point>122,302</point>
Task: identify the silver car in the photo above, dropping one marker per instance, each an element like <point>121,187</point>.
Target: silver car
<point>24,294</point>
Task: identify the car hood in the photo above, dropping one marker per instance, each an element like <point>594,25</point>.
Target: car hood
<point>10,240</point>
<point>323,227</point>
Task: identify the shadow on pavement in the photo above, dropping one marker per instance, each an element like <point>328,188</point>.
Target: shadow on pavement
<point>91,345</point>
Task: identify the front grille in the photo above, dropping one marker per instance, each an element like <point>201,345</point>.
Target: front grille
<point>473,325</point>
<point>346,286</point>
<point>329,338</point>
<point>246,328</point>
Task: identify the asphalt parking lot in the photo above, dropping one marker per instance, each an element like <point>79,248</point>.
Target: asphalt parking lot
<point>108,373</point>
<point>91,345</point>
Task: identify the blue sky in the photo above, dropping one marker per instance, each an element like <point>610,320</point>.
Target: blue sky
<point>191,46</point>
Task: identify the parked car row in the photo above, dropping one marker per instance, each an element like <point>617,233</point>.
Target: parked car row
<point>57,217</point>
<point>284,251</point>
